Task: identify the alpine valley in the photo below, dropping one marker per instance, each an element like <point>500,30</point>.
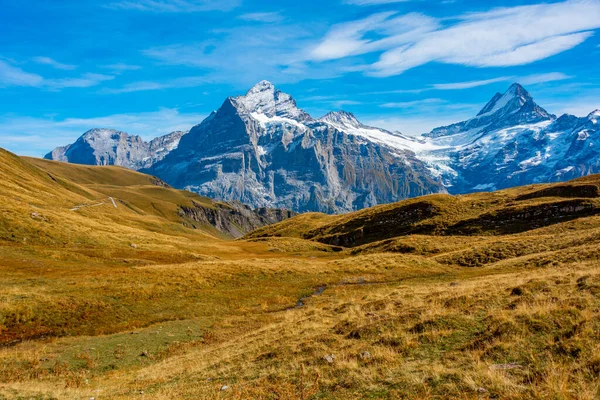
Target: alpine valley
<point>262,150</point>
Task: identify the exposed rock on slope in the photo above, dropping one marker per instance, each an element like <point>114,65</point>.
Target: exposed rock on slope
<point>233,219</point>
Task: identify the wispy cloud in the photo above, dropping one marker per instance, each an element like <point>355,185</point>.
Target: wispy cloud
<point>543,78</point>
<point>142,86</point>
<point>349,38</point>
<point>501,37</point>
<point>85,81</point>
<point>413,104</point>
<point>121,67</point>
<point>247,54</point>
<point>525,80</point>
<point>374,2</point>
<point>14,76</point>
<point>53,63</point>
<point>175,6</point>
<point>262,17</point>
<point>37,136</point>
<point>343,103</point>
<point>467,85</point>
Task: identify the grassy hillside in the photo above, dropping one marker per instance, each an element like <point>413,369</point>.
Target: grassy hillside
<point>503,212</point>
<point>483,296</point>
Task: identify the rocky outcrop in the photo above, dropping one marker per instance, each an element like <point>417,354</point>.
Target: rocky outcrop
<point>232,219</point>
<point>521,219</point>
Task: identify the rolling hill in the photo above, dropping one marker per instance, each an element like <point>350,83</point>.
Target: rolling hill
<point>478,296</point>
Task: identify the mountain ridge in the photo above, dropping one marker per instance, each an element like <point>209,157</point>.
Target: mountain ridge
<point>102,146</point>
<point>262,149</point>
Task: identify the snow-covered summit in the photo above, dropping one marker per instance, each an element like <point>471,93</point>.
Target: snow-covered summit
<point>511,101</point>
<point>264,98</point>
<point>346,122</point>
<point>341,118</point>
<point>104,133</point>
<point>512,108</point>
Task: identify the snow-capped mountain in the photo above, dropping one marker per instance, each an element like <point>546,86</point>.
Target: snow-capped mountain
<point>513,108</point>
<point>261,149</point>
<point>111,147</point>
<point>512,142</point>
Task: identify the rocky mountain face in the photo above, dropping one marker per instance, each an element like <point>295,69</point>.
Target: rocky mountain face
<point>111,147</point>
<point>233,218</point>
<point>513,142</point>
<point>261,149</point>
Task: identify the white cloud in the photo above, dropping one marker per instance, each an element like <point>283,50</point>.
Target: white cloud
<point>53,63</point>
<point>175,6</point>
<point>468,85</point>
<point>339,104</point>
<point>501,37</point>
<point>142,86</point>
<point>121,67</point>
<point>524,54</point>
<point>335,102</point>
<point>248,54</point>
<point>348,38</point>
<point>262,17</point>
<point>85,81</point>
<point>524,80</point>
<point>37,136</point>
<point>543,78</point>
<point>412,104</point>
<point>374,2</point>
<point>13,76</point>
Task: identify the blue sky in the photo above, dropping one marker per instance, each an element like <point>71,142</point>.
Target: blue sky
<point>149,67</point>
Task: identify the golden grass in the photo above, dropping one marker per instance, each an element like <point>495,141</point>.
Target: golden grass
<point>184,313</point>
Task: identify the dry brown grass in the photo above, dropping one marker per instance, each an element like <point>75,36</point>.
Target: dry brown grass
<point>184,313</point>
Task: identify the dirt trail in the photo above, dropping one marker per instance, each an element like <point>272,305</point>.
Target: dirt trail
<point>79,207</point>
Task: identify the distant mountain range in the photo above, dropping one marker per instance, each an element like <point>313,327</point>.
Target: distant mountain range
<point>262,150</point>
<point>111,147</point>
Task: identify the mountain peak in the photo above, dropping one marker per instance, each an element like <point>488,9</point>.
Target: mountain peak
<point>262,86</point>
<point>100,131</point>
<point>511,101</point>
<point>516,88</point>
<point>511,108</point>
<point>264,98</point>
<point>342,118</point>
